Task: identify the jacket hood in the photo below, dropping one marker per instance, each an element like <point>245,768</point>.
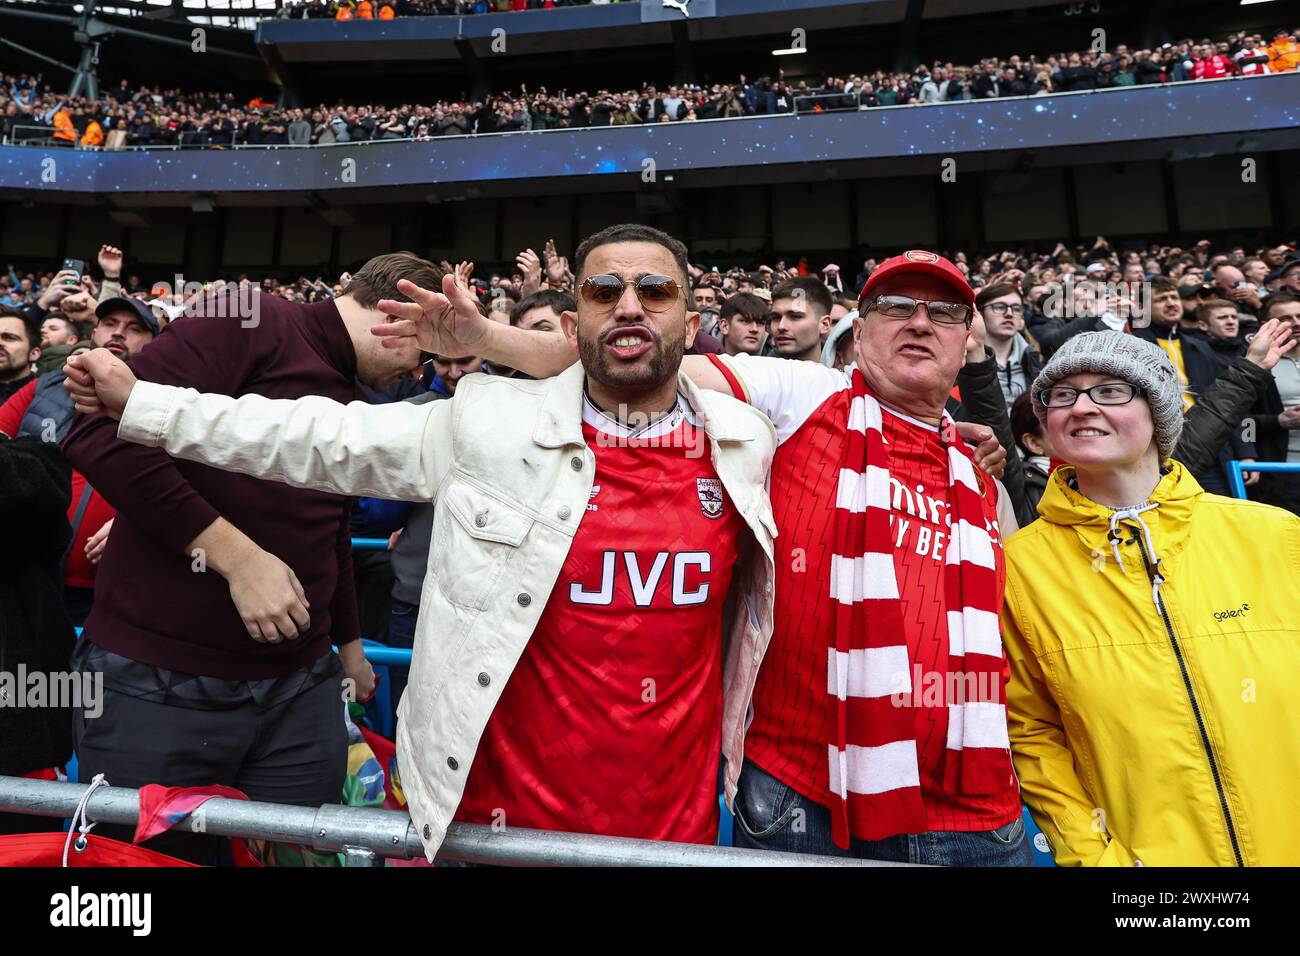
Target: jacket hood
<point>843,327</point>
<point>1019,346</point>
<point>1175,496</point>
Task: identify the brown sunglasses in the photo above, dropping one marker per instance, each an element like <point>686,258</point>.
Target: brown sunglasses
<point>655,293</point>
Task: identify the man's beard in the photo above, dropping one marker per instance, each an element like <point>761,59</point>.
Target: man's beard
<point>124,354</point>
<point>11,368</point>
<point>665,359</point>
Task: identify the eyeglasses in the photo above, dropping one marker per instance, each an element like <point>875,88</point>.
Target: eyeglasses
<point>655,293</point>
<point>904,307</point>
<point>1109,393</point>
<point>1002,308</point>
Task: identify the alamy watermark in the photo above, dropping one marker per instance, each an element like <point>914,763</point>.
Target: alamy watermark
<point>38,689</point>
<point>76,908</point>
<point>644,431</point>
<point>945,688</point>
<point>230,300</point>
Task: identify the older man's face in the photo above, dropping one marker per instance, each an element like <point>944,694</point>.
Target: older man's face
<point>911,364</point>
<point>1255,271</point>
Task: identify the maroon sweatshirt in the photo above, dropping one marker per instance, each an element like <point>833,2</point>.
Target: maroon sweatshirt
<point>150,604</point>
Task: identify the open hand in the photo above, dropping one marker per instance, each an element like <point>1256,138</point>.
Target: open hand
<point>445,323</point>
<point>1273,340</point>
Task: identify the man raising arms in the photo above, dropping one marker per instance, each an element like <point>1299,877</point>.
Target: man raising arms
<point>568,667</point>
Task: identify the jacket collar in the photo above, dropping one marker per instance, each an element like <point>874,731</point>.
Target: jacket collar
<point>1175,495</point>
<point>1155,331</point>
<point>559,421</point>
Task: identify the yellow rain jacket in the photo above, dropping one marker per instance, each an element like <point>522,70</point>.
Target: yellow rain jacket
<point>1157,725</point>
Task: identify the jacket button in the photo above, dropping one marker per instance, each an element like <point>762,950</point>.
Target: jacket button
<point>484,680</point>
<point>480,520</point>
<point>452,763</point>
<point>575,463</point>
<point>524,600</point>
<point>428,832</point>
<point>564,513</point>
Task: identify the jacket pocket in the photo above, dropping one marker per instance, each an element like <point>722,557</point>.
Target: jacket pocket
<point>476,537</point>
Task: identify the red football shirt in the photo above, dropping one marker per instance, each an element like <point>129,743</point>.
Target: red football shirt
<point>612,720</point>
<point>793,716</point>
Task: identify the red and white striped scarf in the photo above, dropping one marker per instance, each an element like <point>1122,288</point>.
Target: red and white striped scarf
<point>874,772</point>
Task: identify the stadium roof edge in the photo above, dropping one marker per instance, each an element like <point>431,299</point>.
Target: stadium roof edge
<point>565,28</point>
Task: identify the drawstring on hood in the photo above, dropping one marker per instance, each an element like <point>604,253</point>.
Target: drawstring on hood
<point>1134,513</point>
<point>1166,514</point>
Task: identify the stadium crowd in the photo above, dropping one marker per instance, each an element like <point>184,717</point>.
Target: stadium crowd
<point>381,10</point>
<point>1204,336</point>
<point>128,116</point>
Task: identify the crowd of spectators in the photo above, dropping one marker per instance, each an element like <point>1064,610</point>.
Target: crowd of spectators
<point>375,9</point>
<point>126,116</point>
<point>1196,299</point>
<point>1201,303</point>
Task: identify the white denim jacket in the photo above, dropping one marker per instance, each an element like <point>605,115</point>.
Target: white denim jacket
<point>508,467</point>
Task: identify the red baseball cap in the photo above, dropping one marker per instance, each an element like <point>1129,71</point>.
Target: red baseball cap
<point>919,260</point>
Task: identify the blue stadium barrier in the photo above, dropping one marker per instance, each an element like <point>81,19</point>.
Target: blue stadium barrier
<point>1235,469</point>
<point>724,821</point>
<point>378,654</point>
<point>1042,853</point>
<point>379,709</point>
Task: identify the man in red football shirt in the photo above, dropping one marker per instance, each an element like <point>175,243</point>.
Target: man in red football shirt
<point>944,792</point>
<point>910,344</point>
<point>629,497</point>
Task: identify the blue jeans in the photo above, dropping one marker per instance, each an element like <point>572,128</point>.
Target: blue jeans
<point>772,816</point>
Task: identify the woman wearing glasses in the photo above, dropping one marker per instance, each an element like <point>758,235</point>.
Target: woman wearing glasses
<point>1153,632</point>
<point>1018,363</point>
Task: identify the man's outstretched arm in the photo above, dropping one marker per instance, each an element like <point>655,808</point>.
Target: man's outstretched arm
<point>448,323</point>
<point>399,451</point>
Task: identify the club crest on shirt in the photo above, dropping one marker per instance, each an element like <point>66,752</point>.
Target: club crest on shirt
<point>710,492</point>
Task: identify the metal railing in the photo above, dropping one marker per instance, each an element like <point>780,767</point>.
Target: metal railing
<point>1236,468</point>
<point>33,134</point>
<point>795,97</point>
<point>367,836</point>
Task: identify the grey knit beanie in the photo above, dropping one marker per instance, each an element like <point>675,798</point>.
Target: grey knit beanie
<point>1127,357</point>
